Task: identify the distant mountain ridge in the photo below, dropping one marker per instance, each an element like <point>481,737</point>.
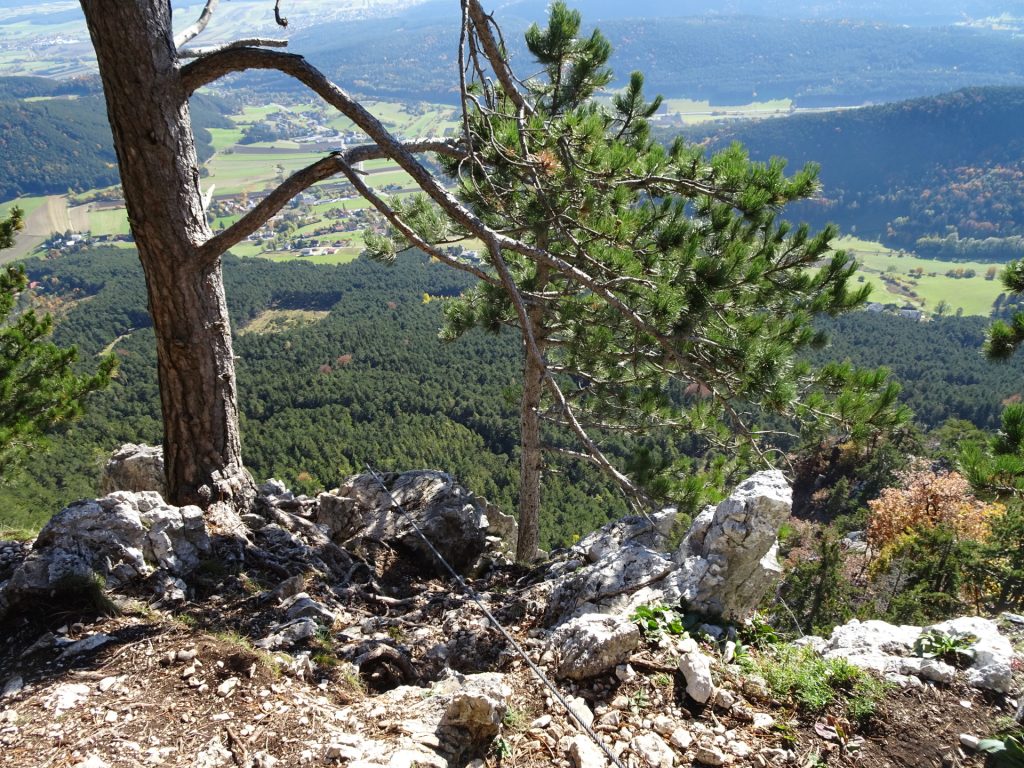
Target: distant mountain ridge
<point>726,59</point>
<point>915,174</point>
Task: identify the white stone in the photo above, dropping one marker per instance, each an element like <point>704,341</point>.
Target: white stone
<point>991,668</point>
<point>663,724</point>
<point>929,669</point>
<point>541,722</point>
<point>580,708</point>
<point>652,751</point>
<point>226,688</point>
<point>969,741</point>
<point>107,683</point>
<point>66,696</point>
<point>592,644</point>
<point>585,753</point>
<point>134,468</point>
<point>724,699</point>
<point>696,668</point>
<point>681,739</point>
<point>740,748</point>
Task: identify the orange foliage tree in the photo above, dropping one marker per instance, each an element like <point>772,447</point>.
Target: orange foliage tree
<point>927,499</point>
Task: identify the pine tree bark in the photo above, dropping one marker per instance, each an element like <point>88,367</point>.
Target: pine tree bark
<point>149,114</point>
<point>531,459</point>
<point>531,462</point>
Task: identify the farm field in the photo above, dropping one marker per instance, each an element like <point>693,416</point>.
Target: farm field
<point>276,320</point>
<point>691,112</point>
<point>971,295</point>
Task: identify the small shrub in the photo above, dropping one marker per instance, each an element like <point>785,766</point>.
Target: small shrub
<point>952,649</point>
<point>655,620</point>
<point>814,683</point>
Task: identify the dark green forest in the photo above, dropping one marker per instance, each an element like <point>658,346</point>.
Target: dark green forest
<point>371,383</point>
<point>940,175</point>
<point>63,142</point>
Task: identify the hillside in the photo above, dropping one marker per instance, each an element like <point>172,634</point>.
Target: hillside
<point>51,142</point>
<point>939,175</point>
<point>331,634</point>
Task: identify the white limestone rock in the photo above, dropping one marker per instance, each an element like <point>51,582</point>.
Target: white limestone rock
<point>652,751</point>
<point>875,645</point>
<point>581,709</point>
<point>592,644</point>
<point>124,537</point>
<point>454,520</point>
<point>608,584</point>
<point>584,753</point>
<point>696,669</point>
<point>134,468</point>
<point>729,560</point>
<point>928,669</point>
<point>651,532</point>
<point>991,668</point>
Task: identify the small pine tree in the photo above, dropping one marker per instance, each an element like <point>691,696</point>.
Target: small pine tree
<point>38,386</point>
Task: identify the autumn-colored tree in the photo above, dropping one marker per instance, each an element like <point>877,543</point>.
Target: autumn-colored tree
<point>929,499</point>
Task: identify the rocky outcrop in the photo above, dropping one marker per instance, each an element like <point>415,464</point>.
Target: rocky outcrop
<point>134,468</point>
<point>728,558</point>
<point>723,567</point>
<point>124,537</point>
<point>459,524</point>
<point>889,650</point>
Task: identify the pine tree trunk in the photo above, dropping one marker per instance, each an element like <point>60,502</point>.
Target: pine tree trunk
<point>531,462</point>
<point>149,115</point>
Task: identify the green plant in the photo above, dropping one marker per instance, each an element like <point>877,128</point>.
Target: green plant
<point>662,680</point>
<point>1003,753</point>
<point>640,700</point>
<point>515,719</point>
<point>655,620</point>
<point>502,749</point>
<point>953,649</point>
<point>815,683</point>
<point>787,733</point>
<point>758,633</point>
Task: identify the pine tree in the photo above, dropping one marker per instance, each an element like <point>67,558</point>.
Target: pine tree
<point>650,264</point>
<point>39,388</point>
<point>1004,338</point>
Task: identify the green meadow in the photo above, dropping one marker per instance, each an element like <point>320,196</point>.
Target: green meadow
<point>971,295</point>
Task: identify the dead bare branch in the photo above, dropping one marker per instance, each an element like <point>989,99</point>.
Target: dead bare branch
<point>255,42</point>
<point>195,29</point>
<point>492,50</point>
